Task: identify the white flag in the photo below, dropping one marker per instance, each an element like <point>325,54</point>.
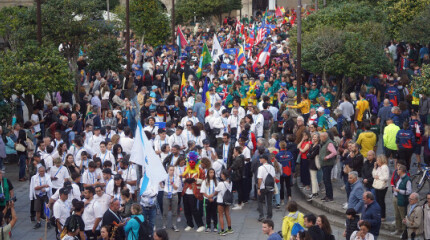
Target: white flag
<point>216,49</point>
<point>143,154</point>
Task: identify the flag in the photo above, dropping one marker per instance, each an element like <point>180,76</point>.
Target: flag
<point>263,57</point>
<point>143,154</point>
<point>205,59</point>
<point>282,10</point>
<point>278,12</point>
<point>183,82</point>
<point>230,51</point>
<point>261,35</point>
<point>228,66</point>
<point>236,71</point>
<point>180,39</point>
<point>216,49</point>
<point>46,210</point>
<point>206,97</point>
<point>240,56</point>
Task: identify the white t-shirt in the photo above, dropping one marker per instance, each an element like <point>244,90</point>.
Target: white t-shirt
<point>75,193</point>
<point>263,171</point>
<point>104,201</point>
<point>117,194</point>
<point>35,118</point>
<point>129,174</point>
<point>259,122</point>
<point>233,121</point>
<point>107,156</point>
<point>126,144</point>
<point>60,173</point>
<point>217,166</point>
<point>158,143</point>
<point>168,185</point>
<point>208,189</point>
<point>221,188</point>
<point>92,211</point>
<point>90,177</point>
<point>62,210</point>
<point>177,140</point>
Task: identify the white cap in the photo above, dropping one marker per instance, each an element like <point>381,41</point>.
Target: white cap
<point>320,109</point>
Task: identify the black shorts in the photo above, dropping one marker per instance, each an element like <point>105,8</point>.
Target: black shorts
<point>391,153</point>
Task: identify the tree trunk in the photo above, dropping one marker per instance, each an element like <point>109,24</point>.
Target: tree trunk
<point>28,100</point>
<point>73,67</point>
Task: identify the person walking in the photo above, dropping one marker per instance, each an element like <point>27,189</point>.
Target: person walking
<point>265,176</point>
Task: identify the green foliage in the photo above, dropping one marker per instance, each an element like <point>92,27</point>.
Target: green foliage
<point>16,25</point>
<point>112,5</point>
<point>34,70</point>
<point>417,29</point>
<point>344,39</point>
<point>401,12</point>
<point>421,84</point>
<point>186,9</point>
<point>104,54</point>
<point>148,19</point>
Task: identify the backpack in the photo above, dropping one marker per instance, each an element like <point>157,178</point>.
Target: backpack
<point>269,182</point>
<point>145,230</point>
<point>373,103</point>
<point>267,116</point>
<point>227,198</point>
<point>70,225</point>
<point>330,121</point>
<point>90,120</point>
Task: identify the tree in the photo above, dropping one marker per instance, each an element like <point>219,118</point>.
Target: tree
<point>104,54</point>
<point>417,29</point>
<point>421,84</point>
<point>149,20</point>
<point>16,28</point>
<point>187,9</point>
<point>401,12</point>
<point>33,71</point>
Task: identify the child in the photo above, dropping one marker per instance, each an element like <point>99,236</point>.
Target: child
<point>210,203</point>
<point>223,210</point>
<point>351,223</point>
<point>171,186</point>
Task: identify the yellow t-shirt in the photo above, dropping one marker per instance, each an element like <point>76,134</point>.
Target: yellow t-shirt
<point>362,105</point>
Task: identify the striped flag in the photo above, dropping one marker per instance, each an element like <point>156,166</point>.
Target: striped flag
<point>183,83</point>
<point>206,96</point>
<point>240,56</point>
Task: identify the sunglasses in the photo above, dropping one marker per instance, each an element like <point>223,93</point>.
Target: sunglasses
<point>189,125</point>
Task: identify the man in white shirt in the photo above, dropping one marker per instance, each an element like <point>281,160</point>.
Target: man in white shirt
<point>62,209</point>
<point>208,152</point>
<point>214,97</point>
<point>36,121</point>
<point>95,140</point>
<point>57,140</point>
<point>240,110</point>
<point>104,154</point>
<point>346,108</point>
<point>92,214</point>
<point>264,194</point>
<point>102,198</point>
<point>126,142</point>
<point>187,134</point>
<point>160,140</point>
<point>128,173</point>
<point>58,175</point>
<point>40,187</point>
<point>218,108</point>
<point>178,139</point>
<point>215,123</point>
<point>233,122</point>
<point>258,121</point>
<point>190,117</point>
<point>90,176</point>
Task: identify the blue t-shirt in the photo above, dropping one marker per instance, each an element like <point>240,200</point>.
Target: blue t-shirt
<point>274,236</point>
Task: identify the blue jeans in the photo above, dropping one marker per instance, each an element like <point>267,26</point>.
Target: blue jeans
<point>327,181</point>
<point>150,213</point>
<point>22,163</point>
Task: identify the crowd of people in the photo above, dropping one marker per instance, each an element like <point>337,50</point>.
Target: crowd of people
<point>217,132</point>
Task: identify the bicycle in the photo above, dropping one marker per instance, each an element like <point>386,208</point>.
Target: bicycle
<point>421,178</point>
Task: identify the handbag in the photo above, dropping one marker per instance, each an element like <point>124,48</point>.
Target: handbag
<point>20,147</point>
<point>317,162</point>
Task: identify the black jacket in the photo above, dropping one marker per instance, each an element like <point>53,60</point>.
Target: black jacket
<point>351,226</point>
<point>366,173</point>
<point>236,167</point>
<point>316,233</point>
<point>219,152</point>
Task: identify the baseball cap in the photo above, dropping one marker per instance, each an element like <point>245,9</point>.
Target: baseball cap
<point>64,191</point>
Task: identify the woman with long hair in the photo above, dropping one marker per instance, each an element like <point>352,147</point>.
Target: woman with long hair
<point>114,190</point>
<point>71,166</point>
<point>118,153</point>
<point>22,155</point>
<point>210,204</point>
<point>304,146</point>
<point>313,167</point>
<point>324,225</point>
<point>110,120</point>
<point>223,210</point>
<point>61,152</point>
<point>381,176</point>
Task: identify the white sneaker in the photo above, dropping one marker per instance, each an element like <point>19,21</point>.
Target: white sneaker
<point>345,206</point>
<point>178,219</point>
<point>200,229</point>
<point>237,207</point>
<point>188,228</point>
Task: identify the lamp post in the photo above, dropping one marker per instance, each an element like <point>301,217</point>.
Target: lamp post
<point>299,51</point>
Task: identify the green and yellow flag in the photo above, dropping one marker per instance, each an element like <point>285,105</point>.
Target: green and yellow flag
<point>205,59</point>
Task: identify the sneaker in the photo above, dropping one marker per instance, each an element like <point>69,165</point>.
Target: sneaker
<point>215,230</point>
<point>326,199</point>
<point>278,206</point>
<point>174,228</point>
<point>178,219</point>
<point>342,188</point>
<point>260,219</point>
<point>237,207</point>
<point>188,228</point>
<point>164,227</point>
<point>222,233</point>
<point>200,229</point>
<point>38,225</point>
<point>208,230</point>
<point>345,206</point>
<point>230,231</point>
<point>282,202</point>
